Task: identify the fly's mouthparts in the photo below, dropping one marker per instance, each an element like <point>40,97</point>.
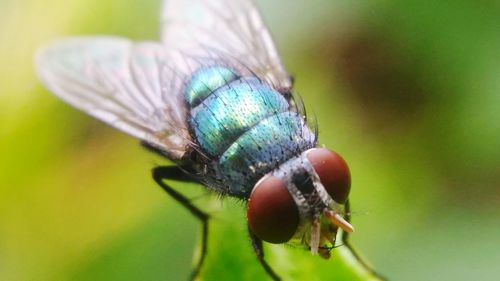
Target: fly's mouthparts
<point>328,236</point>
<point>324,253</point>
<point>320,236</point>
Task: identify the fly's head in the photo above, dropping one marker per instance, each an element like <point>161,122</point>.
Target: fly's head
<point>302,201</point>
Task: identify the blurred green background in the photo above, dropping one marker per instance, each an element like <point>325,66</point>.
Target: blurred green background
<point>407,91</point>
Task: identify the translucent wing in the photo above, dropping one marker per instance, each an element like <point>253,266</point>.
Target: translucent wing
<point>138,87</point>
<point>219,29</point>
<point>127,85</point>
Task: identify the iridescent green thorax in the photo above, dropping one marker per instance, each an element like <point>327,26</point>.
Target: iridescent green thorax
<point>246,127</point>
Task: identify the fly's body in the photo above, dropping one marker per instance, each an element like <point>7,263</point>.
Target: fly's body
<point>213,96</point>
<point>244,127</point>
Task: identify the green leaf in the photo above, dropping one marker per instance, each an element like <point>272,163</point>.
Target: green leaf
<point>230,255</point>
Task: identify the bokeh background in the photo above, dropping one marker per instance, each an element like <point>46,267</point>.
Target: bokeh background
<point>407,91</point>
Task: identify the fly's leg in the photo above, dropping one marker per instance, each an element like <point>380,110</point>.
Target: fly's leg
<point>175,173</point>
<point>347,243</point>
<point>347,217</point>
<point>259,251</point>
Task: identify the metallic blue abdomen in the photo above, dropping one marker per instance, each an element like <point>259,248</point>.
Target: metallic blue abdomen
<point>243,125</point>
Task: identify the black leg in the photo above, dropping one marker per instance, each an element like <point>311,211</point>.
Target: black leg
<point>259,251</point>
<point>176,173</point>
<point>347,243</point>
<point>347,217</point>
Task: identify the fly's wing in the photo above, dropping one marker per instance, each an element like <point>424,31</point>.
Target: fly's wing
<point>127,85</point>
<point>138,87</point>
<point>220,29</point>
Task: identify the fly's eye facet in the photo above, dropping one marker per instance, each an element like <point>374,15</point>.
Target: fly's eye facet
<point>272,213</point>
<point>332,171</point>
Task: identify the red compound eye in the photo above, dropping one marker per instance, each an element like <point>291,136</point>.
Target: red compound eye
<point>332,171</point>
<point>272,213</point>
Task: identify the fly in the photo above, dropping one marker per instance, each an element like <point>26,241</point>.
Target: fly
<point>213,97</point>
